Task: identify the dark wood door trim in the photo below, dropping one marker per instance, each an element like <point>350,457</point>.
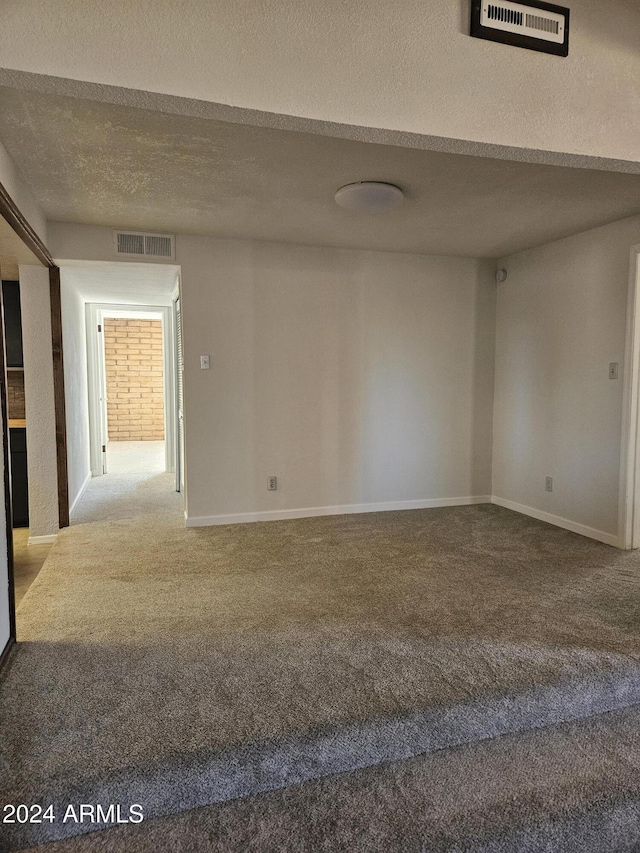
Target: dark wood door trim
<point>4,656</point>
<point>58,393</point>
<point>6,456</point>
<point>12,214</point>
<point>9,210</point>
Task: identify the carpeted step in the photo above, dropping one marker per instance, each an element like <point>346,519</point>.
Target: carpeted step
<point>569,788</point>
<point>183,773</point>
<point>179,668</point>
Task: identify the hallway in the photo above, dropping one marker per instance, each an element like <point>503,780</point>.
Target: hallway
<point>136,484</point>
<point>117,496</point>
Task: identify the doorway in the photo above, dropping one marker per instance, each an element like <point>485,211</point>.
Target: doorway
<point>26,263</point>
<point>132,394</point>
<point>29,552</point>
<point>134,401</point>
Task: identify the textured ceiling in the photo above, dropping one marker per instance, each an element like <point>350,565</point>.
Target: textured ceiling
<point>102,164</point>
<point>13,252</point>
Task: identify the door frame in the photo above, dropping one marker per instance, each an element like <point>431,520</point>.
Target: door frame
<point>6,458</point>
<point>179,384</point>
<point>95,316</point>
<point>629,499</point>
<point>11,213</point>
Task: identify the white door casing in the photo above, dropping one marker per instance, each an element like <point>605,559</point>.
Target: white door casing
<point>95,314</point>
<point>629,500</point>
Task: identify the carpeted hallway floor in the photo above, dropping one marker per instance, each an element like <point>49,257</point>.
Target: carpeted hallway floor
<point>136,457</point>
<point>183,668</point>
<point>114,496</point>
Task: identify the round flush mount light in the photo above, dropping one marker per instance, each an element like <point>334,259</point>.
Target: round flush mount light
<point>369,197</point>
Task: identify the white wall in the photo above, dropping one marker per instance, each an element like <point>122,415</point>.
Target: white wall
<point>70,241</point>
<point>301,337</point>
<point>357,378</point>
<point>561,319</point>
<point>405,65</point>
<point>39,401</point>
<point>74,336</point>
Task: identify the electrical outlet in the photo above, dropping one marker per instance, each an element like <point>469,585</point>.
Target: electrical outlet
<point>272,484</point>
<point>548,484</point>
<point>613,370</point>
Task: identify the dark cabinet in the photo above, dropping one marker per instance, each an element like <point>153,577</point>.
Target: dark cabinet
<point>12,322</point>
<point>19,488</point>
<point>15,395</point>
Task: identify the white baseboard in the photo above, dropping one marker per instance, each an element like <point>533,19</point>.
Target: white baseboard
<point>42,540</point>
<point>346,509</point>
<point>86,482</point>
<point>558,521</point>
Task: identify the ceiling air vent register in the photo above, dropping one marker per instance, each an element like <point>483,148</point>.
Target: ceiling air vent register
<point>143,245</point>
<point>534,25</point>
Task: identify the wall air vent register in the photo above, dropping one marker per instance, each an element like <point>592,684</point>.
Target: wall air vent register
<point>533,25</point>
<point>141,244</point>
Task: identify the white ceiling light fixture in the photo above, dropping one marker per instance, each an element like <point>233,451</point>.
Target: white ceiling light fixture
<point>369,197</point>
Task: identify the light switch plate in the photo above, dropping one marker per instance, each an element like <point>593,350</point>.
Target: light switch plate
<point>204,362</point>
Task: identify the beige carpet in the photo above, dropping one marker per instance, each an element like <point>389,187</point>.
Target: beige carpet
<point>182,667</point>
<point>136,457</point>
<point>571,788</point>
<point>114,496</point>
<point>27,561</point>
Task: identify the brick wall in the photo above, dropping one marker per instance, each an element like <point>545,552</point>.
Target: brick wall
<point>135,390</point>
